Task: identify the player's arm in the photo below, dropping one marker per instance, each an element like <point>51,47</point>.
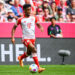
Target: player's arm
<point>38,24</point>
<point>40,27</point>
<point>12,34</point>
<point>60,32</point>
<point>14,29</point>
<point>52,35</point>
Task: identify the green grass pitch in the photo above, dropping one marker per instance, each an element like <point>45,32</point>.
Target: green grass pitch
<point>50,70</point>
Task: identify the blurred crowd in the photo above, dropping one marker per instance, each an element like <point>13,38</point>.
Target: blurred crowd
<point>62,10</point>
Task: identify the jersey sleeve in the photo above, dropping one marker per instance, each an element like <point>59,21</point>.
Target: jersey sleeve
<point>36,19</point>
<point>19,21</point>
<point>59,29</point>
<point>49,31</point>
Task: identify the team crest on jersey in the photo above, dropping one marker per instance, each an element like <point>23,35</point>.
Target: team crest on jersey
<point>28,40</point>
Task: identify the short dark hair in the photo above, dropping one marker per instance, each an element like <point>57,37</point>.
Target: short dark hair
<point>46,8</point>
<point>59,9</point>
<point>52,18</point>
<point>25,6</point>
<point>53,2</point>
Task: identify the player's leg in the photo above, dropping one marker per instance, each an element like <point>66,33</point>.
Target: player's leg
<point>26,54</point>
<point>35,58</point>
<point>34,53</point>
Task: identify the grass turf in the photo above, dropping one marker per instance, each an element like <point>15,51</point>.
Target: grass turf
<point>50,70</point>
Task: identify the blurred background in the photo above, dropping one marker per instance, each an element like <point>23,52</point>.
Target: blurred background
<point>62,10</point>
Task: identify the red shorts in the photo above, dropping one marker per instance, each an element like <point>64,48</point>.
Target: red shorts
<point>26,42</point>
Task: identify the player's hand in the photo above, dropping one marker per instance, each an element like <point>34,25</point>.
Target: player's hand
<point>41,29</point>
<point>13,40</point>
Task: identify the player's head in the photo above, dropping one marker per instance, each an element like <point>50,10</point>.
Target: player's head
<point>27,9</point>
<point>53,20</point>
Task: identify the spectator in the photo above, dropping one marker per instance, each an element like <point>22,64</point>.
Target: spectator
<point>50,8</point>
<point>40,17</point>
<point>21,3</point>
<point>46,5</point>
<point>46,14</point>
<point>3,10</point>
<point>2,19</point>
<point>63,6</point>
<point>16,9</point>
<point>60,19</point>
<point>60,14</point>
<point>63,3</point>
<point>38,3</point>
<point>71,9</point>
<point>57,2</point>
<point>40,11</point>
<point>9,2</point>
<point>54,8</point>
<point>69,3</point>
<point>10,16</point>
<point>54,30</point>
<point>10,19</point>
<point>72,17</point>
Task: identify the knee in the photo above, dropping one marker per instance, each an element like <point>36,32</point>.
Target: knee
<point>34,50</point>
<point>28,53</point>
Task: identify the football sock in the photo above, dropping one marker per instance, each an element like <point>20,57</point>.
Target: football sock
<point>24,55</point>
<point>35,58</point>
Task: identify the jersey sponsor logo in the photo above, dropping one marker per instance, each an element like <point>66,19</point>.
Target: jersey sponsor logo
<point>29,25</point>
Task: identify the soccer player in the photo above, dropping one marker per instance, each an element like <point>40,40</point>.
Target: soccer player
<point>28,29</point>
<point>54,30</point>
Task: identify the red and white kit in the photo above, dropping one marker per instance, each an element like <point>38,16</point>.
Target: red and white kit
<point>28,29</point>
